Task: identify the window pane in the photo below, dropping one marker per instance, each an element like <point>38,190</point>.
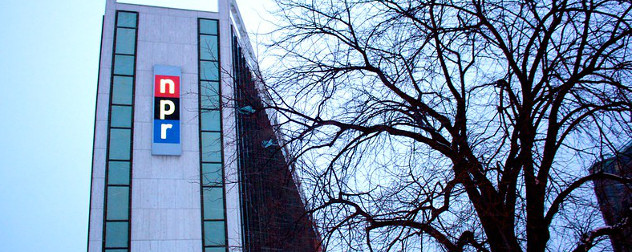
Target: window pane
<point>209,70</point>
<point>126,19</point>
<point>116,234</point>
<point>210,94</point>
<point>124,64</point>
<point>211,147</point>
<point>121,116</point>
<point>210,120</point>
<point>118,201</point>
<point>221,249</point>
<point>213,200</point>
<point>214,233</point>
<point>208,47</point>
<point>118,173</point>
<point>116,250</point>
<point>125,40</point>
<point>212,174</point>
<point>208,26</point>
<point>120,143</point>
<point>122,90</point>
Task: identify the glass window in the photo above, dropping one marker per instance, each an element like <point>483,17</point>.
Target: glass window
<point>124,64</point>
<point>125,40</point>
<point>126,19</point>
<point>122,90</point>
<point>208,26</point>
<point>214,233</point>
<point>212,174</point>
<point>210,120</point>
<point>209,70</point>
<point>116,234</point>
<point>120,143</point>
<point>211,147</point>
<point>213,203</point>
<point>121,116</point>
<point>215,249</point>
<point>118,201</point>
<point>116,250</point>
<point>208,47</point>
<point>118,173</point>
<point>210,94</point>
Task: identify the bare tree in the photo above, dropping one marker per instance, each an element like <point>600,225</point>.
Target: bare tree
<point>453,125</point>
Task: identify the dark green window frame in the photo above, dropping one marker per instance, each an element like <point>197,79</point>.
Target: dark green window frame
<point>212,190</point>
<point>118,177</point>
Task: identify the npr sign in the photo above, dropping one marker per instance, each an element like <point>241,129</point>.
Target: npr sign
<point>166,130</point>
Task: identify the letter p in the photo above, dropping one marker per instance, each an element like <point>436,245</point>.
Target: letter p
<point>164,111</point>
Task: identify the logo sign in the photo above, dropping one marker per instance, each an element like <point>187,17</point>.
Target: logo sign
<point>166,130</point>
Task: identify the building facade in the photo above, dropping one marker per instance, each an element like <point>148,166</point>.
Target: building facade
<point>615,198</point>
<point>185,158</point>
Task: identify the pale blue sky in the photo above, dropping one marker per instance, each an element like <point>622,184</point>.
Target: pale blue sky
<point>49,52</point>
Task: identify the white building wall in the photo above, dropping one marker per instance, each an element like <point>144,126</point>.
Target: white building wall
<point>166,212</point>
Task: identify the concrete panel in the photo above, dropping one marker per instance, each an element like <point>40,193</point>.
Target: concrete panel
<point>193,139</point>
<point>95,246</point>
<point>166,246</point>
<point>142,165</point>
<point>144,79</point>
<point>106,53</point>
<point>192,200</point>
<point>96,211</point>
<point>190,108</point>
<point>140,221</point>
<point>189,82</point>
<point>211,15</point>
<point>166,193</point>
<point>104,82</point>
<point>169,28</point>
<point>98,186</point>
<point>147,55</point>
<point>148,23</point>
<point>100,136</point>
<point>96,226</point>
<point>103,103</point>
<point>98,163</point>
<point>190,65</point>
<point>147,166</point>
<point>140,198</point>
<point>142,136</point>
<point>143,109</point>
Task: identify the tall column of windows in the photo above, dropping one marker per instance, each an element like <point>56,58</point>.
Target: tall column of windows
<point>116,234</point>
<point>211,160</point>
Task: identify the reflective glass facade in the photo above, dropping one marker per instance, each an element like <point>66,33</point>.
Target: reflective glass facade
<point>211,159</point>
<point>273,214</point>
<point>615,198</point>
<point>116,228</point>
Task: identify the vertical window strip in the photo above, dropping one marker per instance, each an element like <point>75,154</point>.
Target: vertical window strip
<point>212,191</point>
<point>241,147</point>
<point>118,182</point>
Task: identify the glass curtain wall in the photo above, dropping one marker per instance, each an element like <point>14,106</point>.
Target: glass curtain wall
<point>116,234</point>
<point>211,160</point>
<point>273,214</point>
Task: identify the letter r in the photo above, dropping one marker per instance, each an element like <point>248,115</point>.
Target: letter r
<point>163,130</point>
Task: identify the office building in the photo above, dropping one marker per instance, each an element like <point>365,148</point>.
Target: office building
<point>185,158</point>
<point>615,198</point>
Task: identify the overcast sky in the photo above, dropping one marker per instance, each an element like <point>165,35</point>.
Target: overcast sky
<point>49,53</point>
